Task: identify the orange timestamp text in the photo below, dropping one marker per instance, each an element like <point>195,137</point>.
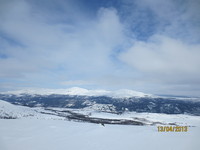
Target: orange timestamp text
<point>172,128</point>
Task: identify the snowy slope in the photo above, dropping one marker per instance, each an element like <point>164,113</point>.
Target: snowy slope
<point>23,134</point>
<point>123,93</point>
<point>10,111</point>
<point>36,131</point>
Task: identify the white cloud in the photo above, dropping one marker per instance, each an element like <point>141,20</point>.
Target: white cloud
<point>163,54</point>
<point>44,44</point>
<point>178,19</point>
<point>77,49</point>
<point>77,83</point>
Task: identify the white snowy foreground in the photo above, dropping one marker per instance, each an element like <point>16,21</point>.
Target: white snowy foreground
<point>35,131</point>
<point>33,134</point>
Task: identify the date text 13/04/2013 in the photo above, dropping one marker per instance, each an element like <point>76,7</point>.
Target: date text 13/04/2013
<point>172,128</point>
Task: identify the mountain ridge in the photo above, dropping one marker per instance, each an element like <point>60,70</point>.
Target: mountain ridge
<point>122,93</point>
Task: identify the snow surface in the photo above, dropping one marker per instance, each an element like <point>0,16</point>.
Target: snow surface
<point>18,112</point>
<point>36,131</point>
<point>31,134</point>
<point>81,91</point>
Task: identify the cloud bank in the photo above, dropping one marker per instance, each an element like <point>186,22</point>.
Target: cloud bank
<point>151,46</point>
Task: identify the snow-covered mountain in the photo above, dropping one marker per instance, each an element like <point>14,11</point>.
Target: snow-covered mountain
<point>123,93</point>
<point>118,101</point>
<point>118,105</point>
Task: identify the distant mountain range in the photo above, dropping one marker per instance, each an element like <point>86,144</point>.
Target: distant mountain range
<point>104,101</point>
<point>81,92</point>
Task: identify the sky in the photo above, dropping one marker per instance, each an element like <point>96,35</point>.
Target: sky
<point>151,46</point>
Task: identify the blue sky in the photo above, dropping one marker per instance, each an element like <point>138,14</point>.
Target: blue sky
<point>151,46</point>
